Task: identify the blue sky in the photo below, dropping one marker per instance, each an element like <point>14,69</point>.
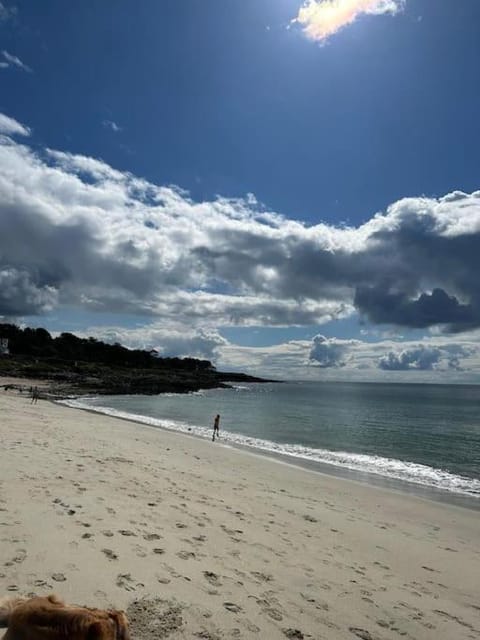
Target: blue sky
<point>230,98</point>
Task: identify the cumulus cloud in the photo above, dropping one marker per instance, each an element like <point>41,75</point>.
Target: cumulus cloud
<point>21,295</point>
<point>330,352</point>
<point>428,361</point>
<point>424,358</point>
<point>106,240</point>
<point>384,306</point>
<point>432,359</point>
<point>10,60</point>
<point>321,19</point>
<point>10,127</point>
<point>109,241</point>
<point>171,341</point>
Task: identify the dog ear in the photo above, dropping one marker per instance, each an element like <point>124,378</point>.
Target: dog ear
<point>54,599</point>
<point>7,605</point>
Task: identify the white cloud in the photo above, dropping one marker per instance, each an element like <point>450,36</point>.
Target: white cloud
<point>11,60</point>
<point>421,358</point>
<point>9,126</point>
<point>113,126</point>
<point>106,240</point>
<point>458,361</point>
<point>321,19</point>
<point>432,359</point>
<point>330,353</point>
<point>169,341</point>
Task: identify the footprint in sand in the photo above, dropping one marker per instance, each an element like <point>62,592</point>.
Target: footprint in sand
<point>430,569</point>
<point>185,555</point>
<point>262,577</point>
<point>294,634</point>
<point>111,555</point>
<point>361,633</point>
<point>42,583</point>
<point>126,532</point>
<point>58,577</point>
<point>454,618</point>
<point>309,518</point>
<point>308,598</point>
<point>212,578</point>
<point>200,538</point>
<point>152,536</point>
<point>231,606</point>
<point>126,581</point>
<point>268,608</point>
<point>20,556</point>
<point>384,624</point>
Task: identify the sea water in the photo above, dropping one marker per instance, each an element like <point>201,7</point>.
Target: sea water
<point>414,437</point>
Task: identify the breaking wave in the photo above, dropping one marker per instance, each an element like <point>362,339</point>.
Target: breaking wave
<point>402,470</point>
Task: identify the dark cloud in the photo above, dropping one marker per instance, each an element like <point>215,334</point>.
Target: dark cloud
<point>19,295</point>
<point>426,265</point>
<point>384,307</point>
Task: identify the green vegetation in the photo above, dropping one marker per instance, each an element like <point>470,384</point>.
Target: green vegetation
<point>76,365</point>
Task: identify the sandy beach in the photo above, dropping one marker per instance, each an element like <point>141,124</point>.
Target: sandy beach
<point>198,540</point>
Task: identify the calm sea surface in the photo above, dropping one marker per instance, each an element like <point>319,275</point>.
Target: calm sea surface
<point>420,438</point>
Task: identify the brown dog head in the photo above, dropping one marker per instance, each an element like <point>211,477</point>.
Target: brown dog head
<point>121,625</point>
<point>115,627</point>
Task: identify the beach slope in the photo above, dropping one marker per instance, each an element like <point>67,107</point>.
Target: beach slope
<point>197,540</point>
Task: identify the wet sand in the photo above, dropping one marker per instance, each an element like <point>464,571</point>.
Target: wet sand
<point>197,540</point>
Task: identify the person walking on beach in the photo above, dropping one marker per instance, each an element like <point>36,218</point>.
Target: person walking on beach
<point>35,395</point>
<point>216,426</point>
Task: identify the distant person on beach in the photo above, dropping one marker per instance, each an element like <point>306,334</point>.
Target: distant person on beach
<point>35,395</point>
<point>216,427</point>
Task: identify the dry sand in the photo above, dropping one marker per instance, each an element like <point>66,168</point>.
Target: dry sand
<point>197,540</point>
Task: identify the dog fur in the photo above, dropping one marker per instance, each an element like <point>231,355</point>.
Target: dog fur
<point>50,618</point>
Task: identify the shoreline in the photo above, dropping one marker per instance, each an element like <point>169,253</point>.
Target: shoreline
<point>209,542</point>
<point>424,491</point>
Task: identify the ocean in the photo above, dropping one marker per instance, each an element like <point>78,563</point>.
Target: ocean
<point>424,439</point>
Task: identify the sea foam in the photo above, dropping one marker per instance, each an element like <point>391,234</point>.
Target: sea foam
<point>392,468</point>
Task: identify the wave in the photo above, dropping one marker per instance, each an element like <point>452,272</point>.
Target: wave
<point>402,470</point>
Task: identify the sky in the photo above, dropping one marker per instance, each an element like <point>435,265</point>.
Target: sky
<point>285,187</point>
